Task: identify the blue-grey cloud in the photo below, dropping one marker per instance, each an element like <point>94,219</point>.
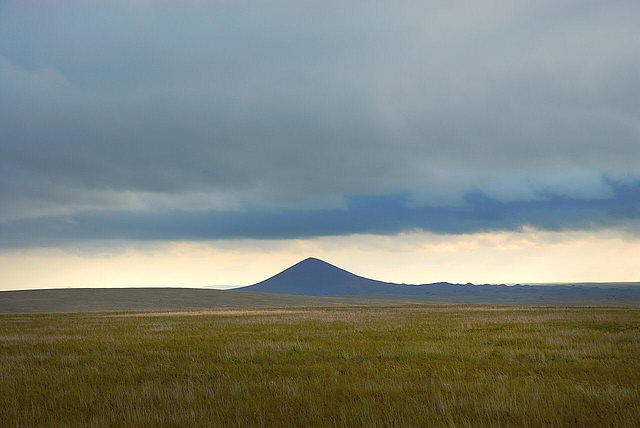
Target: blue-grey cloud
<point>192,114</point>
<point>374,215</point>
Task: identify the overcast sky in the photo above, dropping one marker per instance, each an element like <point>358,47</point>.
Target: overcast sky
<point>180,121</point>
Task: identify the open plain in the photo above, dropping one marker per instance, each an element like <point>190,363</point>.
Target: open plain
<point>408,365</point>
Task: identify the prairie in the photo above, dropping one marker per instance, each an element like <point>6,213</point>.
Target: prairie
<point>408,365</point>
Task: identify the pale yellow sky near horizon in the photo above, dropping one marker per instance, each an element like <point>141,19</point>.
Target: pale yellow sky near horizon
<point>416,257</point>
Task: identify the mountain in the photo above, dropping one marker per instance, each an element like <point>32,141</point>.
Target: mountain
<point>313,282</point>
<point>314,277</point>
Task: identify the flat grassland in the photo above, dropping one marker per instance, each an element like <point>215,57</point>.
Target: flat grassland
<point>450,365</point>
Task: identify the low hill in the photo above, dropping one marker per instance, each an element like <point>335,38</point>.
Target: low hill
<point>138,299</point>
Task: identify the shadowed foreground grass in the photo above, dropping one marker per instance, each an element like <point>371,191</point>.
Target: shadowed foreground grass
<point>364,366</point>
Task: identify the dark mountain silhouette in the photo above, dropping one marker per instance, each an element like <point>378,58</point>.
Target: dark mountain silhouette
<point>314,277</point>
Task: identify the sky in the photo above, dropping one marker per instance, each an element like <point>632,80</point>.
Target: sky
<point>195,143</point>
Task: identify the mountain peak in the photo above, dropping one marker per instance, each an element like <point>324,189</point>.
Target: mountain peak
<point>313,276</point>
<point>309,261</point>
<point>312,260</point>
<point>315,266</point>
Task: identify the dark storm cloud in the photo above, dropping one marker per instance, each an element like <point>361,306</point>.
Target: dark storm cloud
<point>260,111</point>
<point>375,215</point>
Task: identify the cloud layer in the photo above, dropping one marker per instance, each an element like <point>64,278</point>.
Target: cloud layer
<point>364,215</point>
<point>183,120</point>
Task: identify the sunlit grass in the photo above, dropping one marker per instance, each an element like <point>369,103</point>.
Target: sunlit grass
<point>364,366</point>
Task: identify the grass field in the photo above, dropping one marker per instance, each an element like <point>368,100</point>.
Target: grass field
<point>347,366</point>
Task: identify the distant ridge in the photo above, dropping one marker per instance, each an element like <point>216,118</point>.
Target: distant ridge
<point>315,277</point>
<point>313,282</point>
